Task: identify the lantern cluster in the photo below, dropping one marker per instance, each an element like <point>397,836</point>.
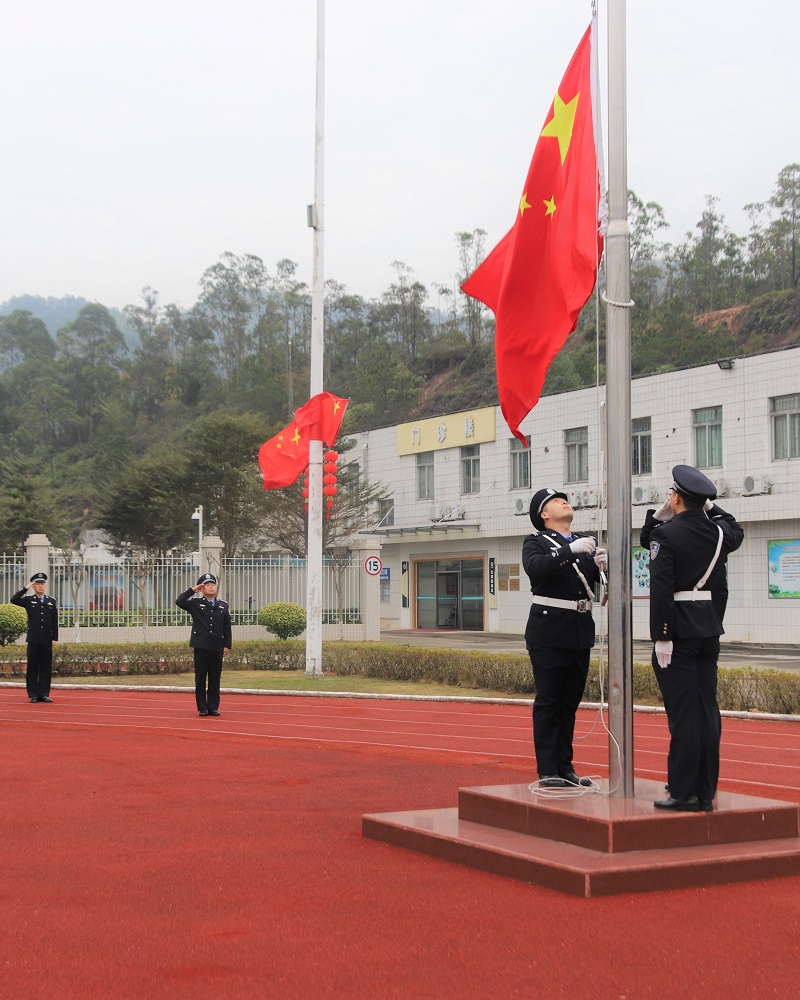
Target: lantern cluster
<point>329,469</point>
<point>329,479</point>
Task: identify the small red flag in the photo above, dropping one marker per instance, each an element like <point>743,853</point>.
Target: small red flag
<point>284,456</point>
<point>538,278</point>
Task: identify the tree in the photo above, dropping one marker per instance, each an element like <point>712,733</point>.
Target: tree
<point>28,502</point>
<point>709,266</point>
<point>471,251</point>
<point>22,336</point>
<point>91,352</point>
<point>786,201</point>
<point>221,454</point>
<point>406,299</point>
<point>146,515</point>
<point>285,524</point>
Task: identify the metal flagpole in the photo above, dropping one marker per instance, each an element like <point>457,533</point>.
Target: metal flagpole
<point>316,221</point>
<point>618,408</point>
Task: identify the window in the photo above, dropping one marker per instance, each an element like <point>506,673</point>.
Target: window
<point>519,473</point>
<point>386,513</point>
<point>785,427</point>
<point>641,441</point>
<point>708,437</point>
<point>386,596</point>
<point>471,469</point>
<point>576,443</point>
<point>350,474</point>
<point>425,475</point>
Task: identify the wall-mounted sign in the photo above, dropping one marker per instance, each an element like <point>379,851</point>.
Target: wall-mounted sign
<point>455,430</point>
<point>783,558</point>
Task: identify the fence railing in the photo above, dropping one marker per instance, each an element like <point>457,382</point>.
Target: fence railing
<point>130,592</point>
<point>12,574</point>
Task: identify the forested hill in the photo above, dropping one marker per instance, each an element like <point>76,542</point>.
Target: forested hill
<point>172,415</point>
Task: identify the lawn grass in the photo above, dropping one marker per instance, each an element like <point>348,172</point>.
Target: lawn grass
<point>291,680</point>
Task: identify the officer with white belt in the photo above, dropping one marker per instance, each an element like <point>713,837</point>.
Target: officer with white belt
<point>563,569</point>
<point>689,538</point>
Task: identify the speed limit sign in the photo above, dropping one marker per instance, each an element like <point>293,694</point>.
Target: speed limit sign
<point>373,565</point>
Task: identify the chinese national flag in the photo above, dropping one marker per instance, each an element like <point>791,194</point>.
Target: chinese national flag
<point>538,278</point>
<point>284,456</point>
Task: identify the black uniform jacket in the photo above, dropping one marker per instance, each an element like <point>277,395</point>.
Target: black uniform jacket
<point>552,574</point>
<point>42,617</point>
<point>211,623</point>
<point>680,553</point>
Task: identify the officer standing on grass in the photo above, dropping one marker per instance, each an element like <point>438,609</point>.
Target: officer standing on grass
<point>689,538</point>
<point>210,639</point>
<point>42,612</point>
<point>562,569</point>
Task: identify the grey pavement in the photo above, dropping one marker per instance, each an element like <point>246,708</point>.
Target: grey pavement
<point>731,654</point>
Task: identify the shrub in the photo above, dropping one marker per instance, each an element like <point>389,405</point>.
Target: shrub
<point>13,622</point>
<point>284,620</point>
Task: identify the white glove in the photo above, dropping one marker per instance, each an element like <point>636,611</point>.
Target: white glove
<point>601,559</point>
<point>664,512</point>
<point>583,546</point>
<point>664,652</point>
<point>708,505</point>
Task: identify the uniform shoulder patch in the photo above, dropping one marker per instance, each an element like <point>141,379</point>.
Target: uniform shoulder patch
<point>654,547</point>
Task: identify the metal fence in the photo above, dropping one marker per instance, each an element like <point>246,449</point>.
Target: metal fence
<point>129,592</point>
<point>12,574</point>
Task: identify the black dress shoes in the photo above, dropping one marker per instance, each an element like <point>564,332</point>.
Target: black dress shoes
<point>34,700</point>
<point>572,779</point>
<point>706,805</point>
<point>692,804</point>
<point>202,713</point>
<point>213,711</point>
<point>48,700</point>
<point>550,781</point>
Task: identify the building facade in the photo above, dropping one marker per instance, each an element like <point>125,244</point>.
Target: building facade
<point>450,532</point>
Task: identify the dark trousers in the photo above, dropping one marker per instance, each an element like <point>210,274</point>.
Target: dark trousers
<point>560,679</point>
<point>207,668</point>
<point>689,688</point>
<point>39,671</point>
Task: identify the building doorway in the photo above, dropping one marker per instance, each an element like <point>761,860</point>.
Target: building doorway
<point>449,594</point>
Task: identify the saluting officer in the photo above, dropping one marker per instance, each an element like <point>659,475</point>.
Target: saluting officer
<point>210,640</point>
<point>562,569</point>
<point>42,612</point>
<point>689,538</point>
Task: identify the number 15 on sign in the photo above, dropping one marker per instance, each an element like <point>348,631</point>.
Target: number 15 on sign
<point>373,565</point>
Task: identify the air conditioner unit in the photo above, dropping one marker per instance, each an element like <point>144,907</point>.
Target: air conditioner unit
<point>452,512</point>
<point>754,485</point>
<point>582,498</point>
<point>437,512</point>
<point>520,506</point>
<point>642,494</point>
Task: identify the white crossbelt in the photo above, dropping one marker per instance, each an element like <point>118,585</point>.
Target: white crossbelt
<point>557,602</point>
<point>692,595</point>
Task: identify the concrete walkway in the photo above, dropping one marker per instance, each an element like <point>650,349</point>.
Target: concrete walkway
<point>731,655</point>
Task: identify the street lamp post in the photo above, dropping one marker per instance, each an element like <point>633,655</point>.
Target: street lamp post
<point>198,516</point>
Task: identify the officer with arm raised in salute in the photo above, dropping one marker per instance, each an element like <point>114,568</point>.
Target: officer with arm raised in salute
<point>210,640</point>
<point>42,612</point>
<point>689,538</point>
<point>560,633</point>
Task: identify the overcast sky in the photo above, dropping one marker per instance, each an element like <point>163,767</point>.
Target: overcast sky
<point>141,141</point>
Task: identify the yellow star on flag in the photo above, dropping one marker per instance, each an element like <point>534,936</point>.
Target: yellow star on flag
<point>550,206</point>
<point>336,406</point>
<point>560,125</point>
<point>296,437</point>
<point>523,204</point>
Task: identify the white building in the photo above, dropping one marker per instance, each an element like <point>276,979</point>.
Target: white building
<point>451,534</point>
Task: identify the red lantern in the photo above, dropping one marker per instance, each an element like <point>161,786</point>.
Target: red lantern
<point>331,456</point>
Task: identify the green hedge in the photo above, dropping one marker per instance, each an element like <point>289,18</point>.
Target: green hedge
<point>740,689</point>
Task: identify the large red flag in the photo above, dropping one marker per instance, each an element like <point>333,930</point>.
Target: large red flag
<point>538,278</point>
<point>284,456</point>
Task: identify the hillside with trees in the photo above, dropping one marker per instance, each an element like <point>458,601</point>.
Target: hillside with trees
<point>129,431</point>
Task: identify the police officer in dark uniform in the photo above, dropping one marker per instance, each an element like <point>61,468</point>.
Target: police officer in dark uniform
<point>562,569</point>
<point>42,612</point>
<point>210,640</point>
<point>689,538</point>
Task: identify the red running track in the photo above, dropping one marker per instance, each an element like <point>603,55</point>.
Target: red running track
<point>153,853</point>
